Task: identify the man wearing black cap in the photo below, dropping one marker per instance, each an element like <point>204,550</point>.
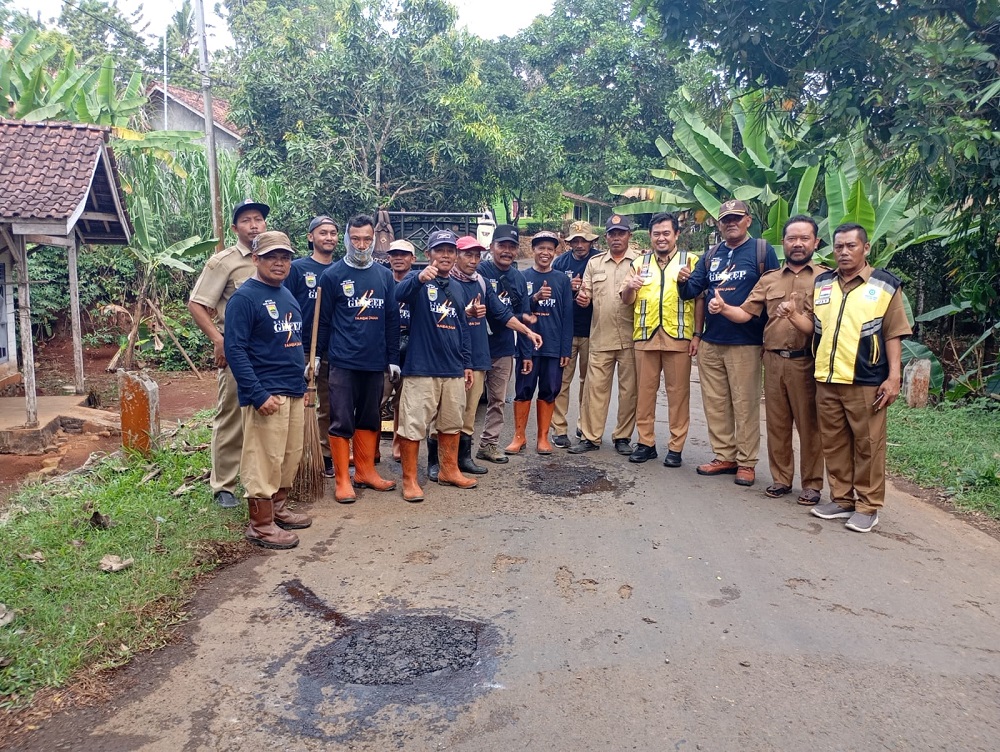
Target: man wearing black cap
<point>611,345</point>
<point>223,274</point>
<point>501,273</point>
<point>303,281</point>
<point>729,366</point>
<point>263,346</point>
<point>438,370</point>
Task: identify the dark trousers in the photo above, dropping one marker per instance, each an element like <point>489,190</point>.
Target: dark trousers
<point>546,374</point>
<point>355,397</point>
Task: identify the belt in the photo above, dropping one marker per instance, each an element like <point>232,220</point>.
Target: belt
<point>792,353</point>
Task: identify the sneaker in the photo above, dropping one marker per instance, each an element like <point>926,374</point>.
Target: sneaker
<point>492,453</point>
<point>862,523</point>
<point>745,476</point>
<point>831,511</point>
<point>673,459</point>
<point>623,447</point>
<point>561,441</point>
<point>328,467</point>
<point>583,445</point>
<point>579,434</point>
<point>718,467</point>
<point>642,453</point>
<point>226,500</point>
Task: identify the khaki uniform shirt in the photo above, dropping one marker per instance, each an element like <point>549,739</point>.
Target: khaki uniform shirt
<point>775,287</point>
<point>660,341</point>
<point>223,274</point>
<point>611,327</point>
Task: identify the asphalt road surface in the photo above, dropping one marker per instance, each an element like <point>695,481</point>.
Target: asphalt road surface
<point>581,603</point>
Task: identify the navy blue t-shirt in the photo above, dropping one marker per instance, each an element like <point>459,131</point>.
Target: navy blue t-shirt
<point>359,320</point>
<point>303,281</point>
<point>574,267</point>
<point>512,290</point>
<point>497,314</point>
<point>555,315</point>
<point>264,343</point>
<point>440,345</point>
<point>734,272</point>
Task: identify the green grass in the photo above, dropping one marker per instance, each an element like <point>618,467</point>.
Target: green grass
<point>954,448</point>
<point>71,616</point>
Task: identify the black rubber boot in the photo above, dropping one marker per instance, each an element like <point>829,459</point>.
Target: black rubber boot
<point>465,462</point>
<point>432,460</point>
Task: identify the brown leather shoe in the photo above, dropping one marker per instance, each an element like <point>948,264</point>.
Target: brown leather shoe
<point>745,476</point>
<point>717,467</point>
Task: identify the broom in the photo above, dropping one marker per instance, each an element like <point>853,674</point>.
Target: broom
<point>308,484</point>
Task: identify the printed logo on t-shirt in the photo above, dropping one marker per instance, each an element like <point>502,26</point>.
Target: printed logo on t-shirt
<point>824,295</point>
<point>715,264</point>
<point>310,278</point>
<point>432,293</point>
<point>404,312</point>
<point>531,288</point>
<point>348,287</point>
<point>871,292</point>
<point>367,304</point>
<point>493,284</point>
<point>444,310</point>
<point>271,308</point>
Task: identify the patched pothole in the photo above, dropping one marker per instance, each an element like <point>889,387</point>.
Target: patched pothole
<point>572,480</point>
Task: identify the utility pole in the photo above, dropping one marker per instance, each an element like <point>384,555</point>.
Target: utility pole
<point>165,32</point>
<point>206,88</point>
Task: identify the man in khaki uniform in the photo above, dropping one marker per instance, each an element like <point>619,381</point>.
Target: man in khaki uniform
<point>223,274</point>
<point>611,344</point>
<point>789,386</point>
<point>667,332</point>
<point>858,323</point>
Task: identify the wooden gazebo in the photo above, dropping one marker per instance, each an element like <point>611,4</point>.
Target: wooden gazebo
<point>59,186</point>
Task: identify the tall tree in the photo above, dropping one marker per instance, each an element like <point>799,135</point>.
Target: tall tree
<point>98,27</point>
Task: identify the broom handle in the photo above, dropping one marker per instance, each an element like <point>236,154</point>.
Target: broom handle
<point>312,343</point>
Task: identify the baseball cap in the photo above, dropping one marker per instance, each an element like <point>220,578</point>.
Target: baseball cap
<point>538,237</point>
<point>468,243</point>
<point>272,241</point>
<point>322,219</point>
<point>247,204</point>
<point>581,229</point>
<point>733,206</point>
<point>506,232</point>
<point>441,237</point>
<point>618,222</point>
<point>401,246</point>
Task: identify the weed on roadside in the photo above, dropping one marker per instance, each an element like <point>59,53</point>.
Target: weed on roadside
<point>69,614</point>
<point>956,448</point>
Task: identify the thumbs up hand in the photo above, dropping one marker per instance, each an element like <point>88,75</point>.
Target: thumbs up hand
<point>716,304</point>
<point>797,302</point>
<point>545,292</point>
<point>476,308</point>
<point>793,305</point>
<point>429,273</point>
<point>576,283</point>
<point>634,282</point>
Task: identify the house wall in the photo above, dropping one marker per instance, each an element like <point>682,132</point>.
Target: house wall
<point>8,344</point>
<point>180,118</point>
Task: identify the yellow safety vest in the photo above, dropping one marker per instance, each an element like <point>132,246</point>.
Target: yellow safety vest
<point>658,303</point>
<point>848,340</point>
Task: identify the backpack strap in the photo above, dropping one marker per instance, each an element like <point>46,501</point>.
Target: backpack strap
<point>761,256</point>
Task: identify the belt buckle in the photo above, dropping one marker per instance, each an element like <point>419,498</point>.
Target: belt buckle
<point>785,353</point>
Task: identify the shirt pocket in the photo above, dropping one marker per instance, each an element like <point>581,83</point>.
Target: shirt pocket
<point>600,277</point>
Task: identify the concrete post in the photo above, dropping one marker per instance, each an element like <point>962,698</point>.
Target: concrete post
<point>917,382</point>
<point>140,410</point>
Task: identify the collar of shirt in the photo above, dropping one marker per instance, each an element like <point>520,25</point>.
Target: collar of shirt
<point>242,248</point>
<point>862,277</point>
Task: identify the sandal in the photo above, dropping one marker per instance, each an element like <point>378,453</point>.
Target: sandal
<point>775,490</point>
<point>809,497</point>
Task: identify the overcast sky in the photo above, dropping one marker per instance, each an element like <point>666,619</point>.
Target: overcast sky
<point>487,19</point>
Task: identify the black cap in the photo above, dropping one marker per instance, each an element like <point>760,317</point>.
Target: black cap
<point>618,222</point>
<point>249,203</point>
<point>322,219</point>
<point>441,237</point>
<point>506,232</point>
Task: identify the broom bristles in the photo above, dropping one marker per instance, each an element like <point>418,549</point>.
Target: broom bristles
<point>308,484</point>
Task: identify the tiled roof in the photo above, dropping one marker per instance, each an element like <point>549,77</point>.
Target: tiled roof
<point>584,199</point>
<point>196,101</point>
<point>48,169</point>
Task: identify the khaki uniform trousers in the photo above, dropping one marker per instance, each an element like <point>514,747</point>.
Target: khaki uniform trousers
<point>272,447</point>
<point>854,436</point>
<point>597,394</point>
<point>730,378</point>
<point>227,435</point>
<point>323,404</point>
<point>429,400</point>
<point>790,398</point>
<point>581,351</point>
<point>676,369</point>
<point>497,383</point>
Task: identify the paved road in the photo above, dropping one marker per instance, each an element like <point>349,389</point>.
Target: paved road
<point>658,611</point>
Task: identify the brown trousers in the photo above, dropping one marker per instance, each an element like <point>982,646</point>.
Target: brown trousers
<point>272,448</point>
<point>581,350</point>
<point>227,435</point>
<point>597,394</point>
<point>676,369</point>
<point>790,398</point>
<point>854,436</point>
<point>497,382</point>
<point>730,378</point>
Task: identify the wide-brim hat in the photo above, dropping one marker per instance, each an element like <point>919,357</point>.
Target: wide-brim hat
<point>272,240</point>
<point>581,230</point>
